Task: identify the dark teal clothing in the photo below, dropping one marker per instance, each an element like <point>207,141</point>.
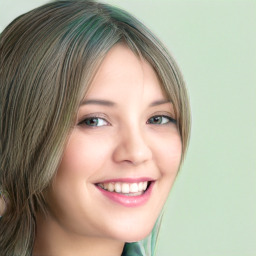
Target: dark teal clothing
<point>132,249</point>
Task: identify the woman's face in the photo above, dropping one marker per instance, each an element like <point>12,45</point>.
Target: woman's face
<point>125,141</point>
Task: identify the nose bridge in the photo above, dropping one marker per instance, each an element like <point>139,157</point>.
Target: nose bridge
<point>133,145</point>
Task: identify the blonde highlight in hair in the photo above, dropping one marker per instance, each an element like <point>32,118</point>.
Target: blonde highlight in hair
<point>48,58</point>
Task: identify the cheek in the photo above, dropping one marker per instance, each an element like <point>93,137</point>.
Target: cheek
<point>169,155</point>
<point>83,156</point>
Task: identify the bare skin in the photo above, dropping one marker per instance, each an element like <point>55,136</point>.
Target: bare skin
<point>49,245</point>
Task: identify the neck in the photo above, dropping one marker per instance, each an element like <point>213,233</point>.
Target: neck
<point>52,239</point>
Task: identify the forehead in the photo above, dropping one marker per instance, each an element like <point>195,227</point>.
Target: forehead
<point>124,72</point>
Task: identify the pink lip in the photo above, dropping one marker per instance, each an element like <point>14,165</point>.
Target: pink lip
<point>128,201</point>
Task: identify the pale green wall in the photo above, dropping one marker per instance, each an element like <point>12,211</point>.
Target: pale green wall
<point>212,208</point>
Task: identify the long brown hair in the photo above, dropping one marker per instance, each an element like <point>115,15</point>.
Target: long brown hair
<point>48,58</point>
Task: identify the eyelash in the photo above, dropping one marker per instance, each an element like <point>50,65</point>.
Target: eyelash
<point>169,119</point>
<point>83,122</point>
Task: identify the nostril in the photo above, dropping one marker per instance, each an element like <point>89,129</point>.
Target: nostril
<point>132,148</point>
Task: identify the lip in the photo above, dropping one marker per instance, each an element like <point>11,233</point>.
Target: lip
<point>128,201</point>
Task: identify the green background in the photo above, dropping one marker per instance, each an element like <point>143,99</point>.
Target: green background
<point>212,208</point>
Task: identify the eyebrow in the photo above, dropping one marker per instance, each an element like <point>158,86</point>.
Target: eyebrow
<point>159,102</point>
<point>98,102</point>
<point>111,104</point>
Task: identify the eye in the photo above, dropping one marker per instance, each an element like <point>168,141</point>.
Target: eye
<point>160,120</point>
<point>94,122</point>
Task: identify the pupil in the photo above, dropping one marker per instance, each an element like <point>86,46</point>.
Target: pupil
<point>157,120</point>
<point>92,122</point>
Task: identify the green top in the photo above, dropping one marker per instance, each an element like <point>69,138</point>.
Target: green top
<point>132,249</point>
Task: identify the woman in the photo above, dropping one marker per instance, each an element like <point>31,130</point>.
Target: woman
<point>95,124</point>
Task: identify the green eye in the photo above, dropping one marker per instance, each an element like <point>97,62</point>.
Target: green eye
<point>94,122</point>
<point>161,120</point>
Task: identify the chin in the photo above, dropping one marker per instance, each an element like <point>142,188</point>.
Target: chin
<point>134,233</point>
<point>137,237</point>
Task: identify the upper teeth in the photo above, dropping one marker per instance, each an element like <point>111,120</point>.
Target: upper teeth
<point>124,188</point>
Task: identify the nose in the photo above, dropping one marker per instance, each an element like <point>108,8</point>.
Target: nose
<point>132,147</point>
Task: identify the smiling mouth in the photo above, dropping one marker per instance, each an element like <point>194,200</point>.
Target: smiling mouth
<point>127,192</point>
<point>124,188</point>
